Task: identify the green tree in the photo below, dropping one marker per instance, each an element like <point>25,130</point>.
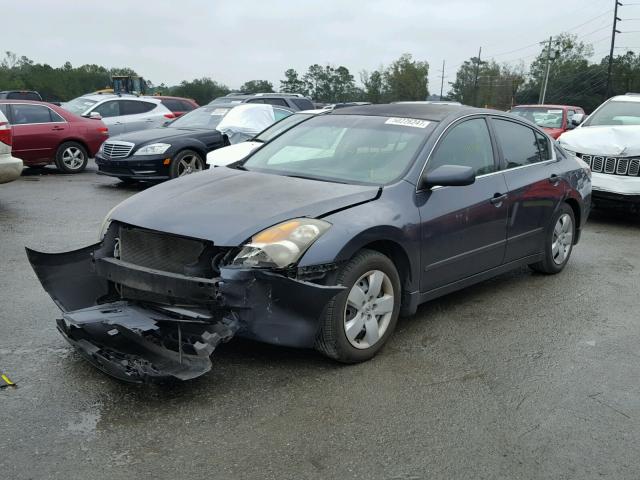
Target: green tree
<point>257,86</point>
<point>374,88</point>
<point>407,79</point>
<point>202,90</point>
<point>292,83</point>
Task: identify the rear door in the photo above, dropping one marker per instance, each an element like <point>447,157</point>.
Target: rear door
<point>111,116</point>
<point>535,186</point>
<point>140,115</point>
<point>37,132</point>
<point>463,229</point>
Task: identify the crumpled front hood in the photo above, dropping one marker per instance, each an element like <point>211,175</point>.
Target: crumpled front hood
<point>228,206</point>
<point>616,140</point>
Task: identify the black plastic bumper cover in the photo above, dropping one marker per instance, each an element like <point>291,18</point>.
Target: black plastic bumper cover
<point>141,342</point>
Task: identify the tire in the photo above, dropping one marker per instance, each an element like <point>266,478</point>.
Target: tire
<point>356,346</point>
<point>185,163</point>
<point>71,157</point>
<point>558,242</point>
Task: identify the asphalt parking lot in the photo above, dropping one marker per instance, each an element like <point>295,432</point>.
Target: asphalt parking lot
<point>524,376</point>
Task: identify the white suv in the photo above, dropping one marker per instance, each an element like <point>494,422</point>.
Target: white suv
<point>609,141</point>
<point>121,113</point>
<point>10,167</point>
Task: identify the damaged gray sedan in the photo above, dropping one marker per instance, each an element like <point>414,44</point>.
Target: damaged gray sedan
<point>320,238</point>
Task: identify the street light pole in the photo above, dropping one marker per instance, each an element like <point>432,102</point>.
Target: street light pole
<point>442,80</point>
<point>543,92</point>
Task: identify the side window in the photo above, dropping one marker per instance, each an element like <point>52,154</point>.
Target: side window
<point>276,101</point>
<point>467,144</point>
<point>108,109</point>
<point>543,147</point>
<point>280,113</point>
<point>570,114</point>
<point>24,113</point>
<point>134,107</point>
<point>255,100</point>
<point>518,142</point>
<point>302,103</point>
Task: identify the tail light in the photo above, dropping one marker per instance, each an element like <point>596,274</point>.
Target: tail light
<point>5,133</point>
<point>104,131</point>
<point>169,115</point>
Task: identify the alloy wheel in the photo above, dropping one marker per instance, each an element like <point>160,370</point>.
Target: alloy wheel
<point>369,309</point>
<point>562,239</point>
<point>189,164</point>
<point>73,158</point>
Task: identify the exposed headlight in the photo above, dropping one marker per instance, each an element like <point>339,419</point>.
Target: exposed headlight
<point>153,149</point>
<point>281,245</point>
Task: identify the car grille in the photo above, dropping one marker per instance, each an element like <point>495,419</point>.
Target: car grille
<point>117,149</point>
<point>613,165</point>
<point>169,253</point>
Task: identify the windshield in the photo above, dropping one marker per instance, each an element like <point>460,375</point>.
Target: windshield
<point>616,113</point>
<point>79,106</point>
<point>207,118</point>
<point>284,124</point>
<point>344,148</point>
<point>542,116</point>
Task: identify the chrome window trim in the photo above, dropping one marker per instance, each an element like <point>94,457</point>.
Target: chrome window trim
<point>486,116</point>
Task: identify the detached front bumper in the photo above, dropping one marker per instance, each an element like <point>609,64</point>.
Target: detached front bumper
<point>147,167</point>
<point>142,339</point>
<point>617,188</point>
<point>10,168</point>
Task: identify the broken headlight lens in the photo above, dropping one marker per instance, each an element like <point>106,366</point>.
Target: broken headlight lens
<point>281,245</point>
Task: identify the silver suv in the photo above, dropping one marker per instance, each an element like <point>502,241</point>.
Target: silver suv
<point>294,101</point>
<point>121,113</point>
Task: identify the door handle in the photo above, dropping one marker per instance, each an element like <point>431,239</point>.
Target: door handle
<point>554,179</point>
<point>57,128</point>
<point>498,198</point>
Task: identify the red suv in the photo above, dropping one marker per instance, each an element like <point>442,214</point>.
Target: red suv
<point>44,133</point>
<point>553,119</point>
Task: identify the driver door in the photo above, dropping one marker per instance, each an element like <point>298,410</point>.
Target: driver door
<point>463,228</point>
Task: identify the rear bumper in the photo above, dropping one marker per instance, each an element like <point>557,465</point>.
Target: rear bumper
<point>142,341</point>
<point>149,168</point>
<point>10,168</point>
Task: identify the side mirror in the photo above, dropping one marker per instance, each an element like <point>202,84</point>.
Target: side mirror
<point>577,119</point>
<point>448,176</point>
<point>94,116</point>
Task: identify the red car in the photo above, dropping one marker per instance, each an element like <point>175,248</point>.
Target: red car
<point>554,119</point>
<point>177,105</point>
<point>44,133</point>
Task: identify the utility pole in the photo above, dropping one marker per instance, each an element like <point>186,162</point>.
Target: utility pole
<point>613,43</point>
<point>475,81</point>
<point>543,89</point>
<point>442,81</point>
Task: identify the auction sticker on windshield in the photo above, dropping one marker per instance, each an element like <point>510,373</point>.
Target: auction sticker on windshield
<point>408,122</point>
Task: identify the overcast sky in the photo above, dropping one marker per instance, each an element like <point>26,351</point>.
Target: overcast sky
<point>234,41</point>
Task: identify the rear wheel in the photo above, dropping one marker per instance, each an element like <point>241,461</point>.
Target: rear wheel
<point>71,157</point>
<point>558,241</point>
<point>185,163</point>
<point>358,322</point>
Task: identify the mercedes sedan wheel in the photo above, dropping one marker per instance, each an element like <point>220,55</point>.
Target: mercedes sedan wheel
<point>186,163</point>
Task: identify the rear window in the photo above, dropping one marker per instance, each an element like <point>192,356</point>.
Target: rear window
<point>174,105</point>
<point>302,103</point>
<point>24,96</point>
<point>133,107</point>
<point>187,106</point>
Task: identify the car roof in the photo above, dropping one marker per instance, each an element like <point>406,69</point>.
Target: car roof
<point>422,111</point>
<point>35,102</point>
<point>547,105</point>
<point>629,97</point>
<point>112,96</point>
<point>168,97</point>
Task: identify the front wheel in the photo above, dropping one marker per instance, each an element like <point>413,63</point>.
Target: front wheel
<point>71,157</point>
<point>357,323</point>
<point>185,163</point>
<point>558,241</point>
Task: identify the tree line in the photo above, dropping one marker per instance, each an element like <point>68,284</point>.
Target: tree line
<point>573,79</point>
